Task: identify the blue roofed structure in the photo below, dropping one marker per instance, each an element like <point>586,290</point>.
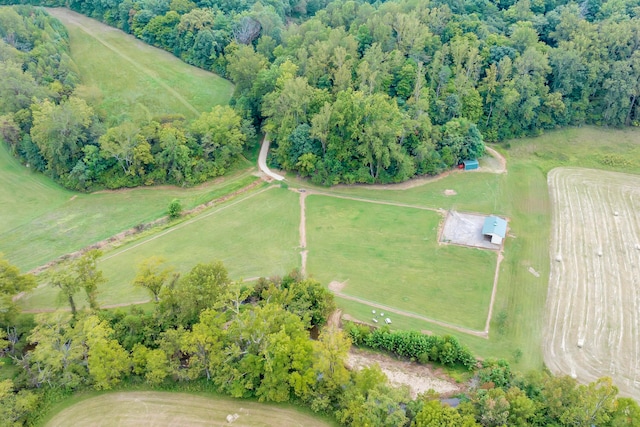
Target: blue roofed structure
<point>471,164</point>
<point>496,228</point>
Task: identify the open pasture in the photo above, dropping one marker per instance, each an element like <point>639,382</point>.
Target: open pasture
<point>42,221</point>
<point>127,79</point>
<point>593,305</point>
<point>254,235</point>
<point>178,409</point>
<point>390,255</point>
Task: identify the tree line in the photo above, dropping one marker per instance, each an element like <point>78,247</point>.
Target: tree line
<point>55,131</point>
<point>253,341</point>
<point>356,91</point>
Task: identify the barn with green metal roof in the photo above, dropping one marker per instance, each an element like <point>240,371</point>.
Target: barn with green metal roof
<point>495,228</point>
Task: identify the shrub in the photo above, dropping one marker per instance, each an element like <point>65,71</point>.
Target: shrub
<point>175,209</point>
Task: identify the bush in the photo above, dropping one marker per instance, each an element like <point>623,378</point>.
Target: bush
<point>175,209</point>
<point>414,345</point>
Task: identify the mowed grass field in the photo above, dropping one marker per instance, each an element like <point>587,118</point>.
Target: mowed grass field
<point>522,195</point>
<point>125,78</point>
<point>178,409</point>
<point>253,235</point>
<point>42,221</point>
<point>390,255</point>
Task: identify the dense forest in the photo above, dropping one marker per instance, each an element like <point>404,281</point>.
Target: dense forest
<point>206,333</point>
<point>354,91</point>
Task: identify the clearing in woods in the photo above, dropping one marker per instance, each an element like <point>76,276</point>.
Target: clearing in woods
<point>172,409</point>
<point>128,79</point>
<point>593,305</point>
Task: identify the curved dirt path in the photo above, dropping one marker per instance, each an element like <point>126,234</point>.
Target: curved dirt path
<point>497,164</point>
<point>502,162</point>
<point>262,160</point>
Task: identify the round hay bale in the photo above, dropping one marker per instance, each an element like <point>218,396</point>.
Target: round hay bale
<point>616,213</point>
<point>558,258</point>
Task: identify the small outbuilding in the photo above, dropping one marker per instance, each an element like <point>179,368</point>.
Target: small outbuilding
<point>495,228</point>
<point>471,164</point>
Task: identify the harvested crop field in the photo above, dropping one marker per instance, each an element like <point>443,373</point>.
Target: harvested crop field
<point>177,409</point>
<point>593,304</point>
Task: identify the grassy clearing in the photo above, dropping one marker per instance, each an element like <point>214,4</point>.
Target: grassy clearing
<point>522,195</point>
<point>169,409</point>
<point>125,78</point>
<point>255,235</point>
<point>42,221</point>
<point>391,255</point>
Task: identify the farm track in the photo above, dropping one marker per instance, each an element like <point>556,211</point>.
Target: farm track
<point>593,304</point>
<point>481,334</point>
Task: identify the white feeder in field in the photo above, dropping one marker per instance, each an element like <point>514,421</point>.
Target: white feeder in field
<point>373,311</point>
<point>375,320</point>
<point>387,321</point>
<point>381,314</point>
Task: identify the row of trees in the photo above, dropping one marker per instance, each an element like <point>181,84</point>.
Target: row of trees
<point>58,133</point>
<point>414,345</point>
<point>253,341</point>
<point>355,92</point>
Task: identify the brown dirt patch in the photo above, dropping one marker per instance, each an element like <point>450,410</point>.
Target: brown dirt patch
<point>419,378</point>
<point>335,319</point>
<point>336,286</point>
<point>449,192</point>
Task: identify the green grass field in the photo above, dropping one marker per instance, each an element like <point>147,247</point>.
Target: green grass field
<point>358,241</point>
<point>522,195</point>
<point>172,409</point>
<point>123,77</point>
<point>391,255</point>
<point>42,221</point>
<point>254,235</point>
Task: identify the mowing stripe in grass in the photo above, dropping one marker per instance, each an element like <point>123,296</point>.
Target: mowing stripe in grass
<point>188,222</point>
<point>481,334</point>
<point>377,202</point>
<point>144,70</point>
<point>391,256</point>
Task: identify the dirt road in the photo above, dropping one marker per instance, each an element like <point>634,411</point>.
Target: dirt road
<point>262,160</point>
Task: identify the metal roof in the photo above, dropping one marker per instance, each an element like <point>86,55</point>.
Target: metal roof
<point>495,225</point>
<point>471,162</point>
